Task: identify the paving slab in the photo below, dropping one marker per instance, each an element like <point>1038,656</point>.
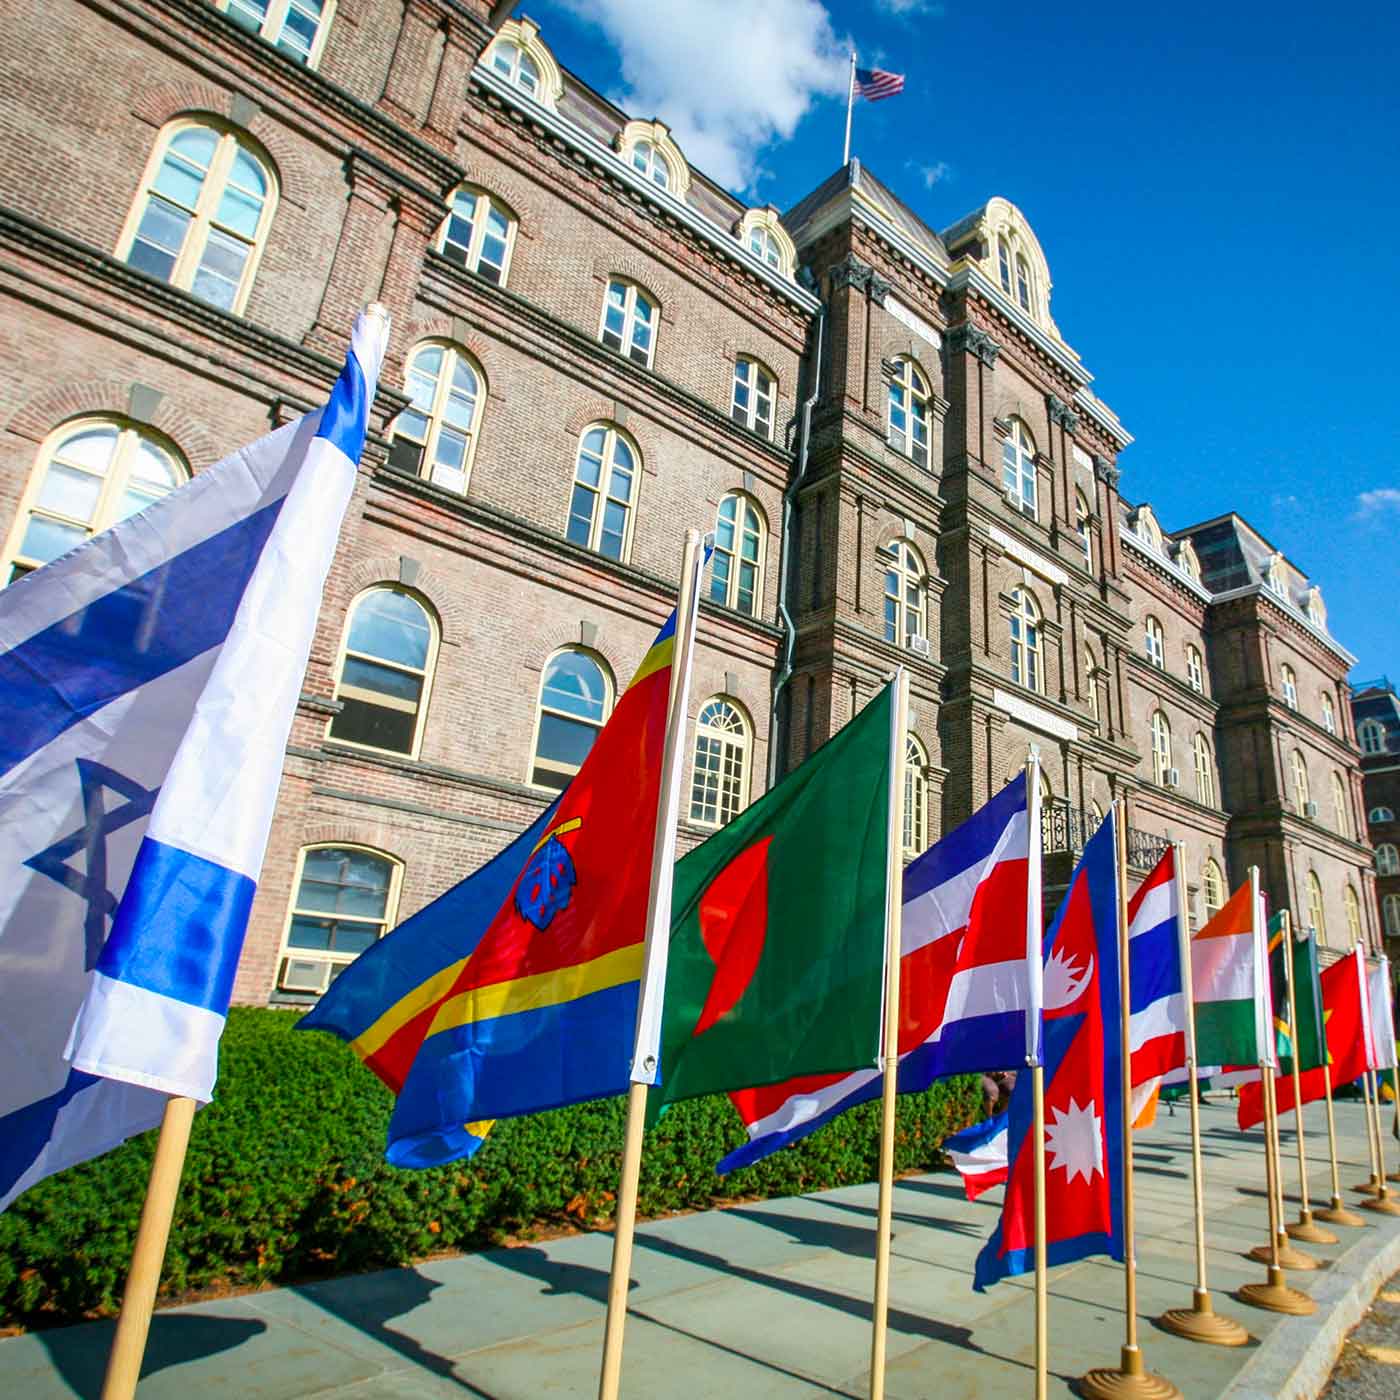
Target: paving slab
<point>773,1299</point>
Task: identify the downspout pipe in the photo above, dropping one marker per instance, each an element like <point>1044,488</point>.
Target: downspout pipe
<point>804,439</point>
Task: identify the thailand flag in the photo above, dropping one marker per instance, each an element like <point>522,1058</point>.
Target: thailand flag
<point>1083,1088</point>
<point>1157,1024</point>
<point>971,913</point>
<point>979,1154</point>
<point>151,677</point>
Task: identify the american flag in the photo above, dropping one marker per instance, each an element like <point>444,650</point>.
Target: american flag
<point>875,83</point>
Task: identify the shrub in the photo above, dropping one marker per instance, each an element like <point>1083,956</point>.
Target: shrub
<point>285,1178</point>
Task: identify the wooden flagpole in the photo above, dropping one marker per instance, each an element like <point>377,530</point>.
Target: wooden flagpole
<point>1200,1322</point>
<point>1305,1228</point>
<point>1035,962</point>
<point>894,908</point>
<point>1382,1201</point>
<point>658,925</point>
<point>1336,1212</point>
<point>1131,1379</point>
<point>1274,1293</point>
<point>148,1254</point>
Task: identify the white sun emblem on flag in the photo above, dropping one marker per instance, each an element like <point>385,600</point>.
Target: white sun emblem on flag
<point>1075,1140</point>
<point>1065,979</point>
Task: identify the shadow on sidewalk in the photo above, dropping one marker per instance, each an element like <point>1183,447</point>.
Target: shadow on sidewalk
<point>79,1354</point>
<point>558,1278</point>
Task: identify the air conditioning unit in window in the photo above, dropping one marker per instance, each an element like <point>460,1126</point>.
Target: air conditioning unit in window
<point>1310,810</point>
<point>1172,777</point>
<point>305,975</point>
<point>919,646</point>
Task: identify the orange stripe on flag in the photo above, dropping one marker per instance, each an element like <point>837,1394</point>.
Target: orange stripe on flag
<point>1235,919</point>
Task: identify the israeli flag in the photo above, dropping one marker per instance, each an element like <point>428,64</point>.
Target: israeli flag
<point>150,678</point>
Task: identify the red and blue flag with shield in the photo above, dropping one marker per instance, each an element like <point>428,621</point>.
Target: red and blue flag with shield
<point>1083,1087</point>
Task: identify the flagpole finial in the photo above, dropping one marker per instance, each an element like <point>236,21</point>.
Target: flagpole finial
<point>377,311</point>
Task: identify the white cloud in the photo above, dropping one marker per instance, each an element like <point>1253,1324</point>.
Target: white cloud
<point>907,9</point>
<point>936,173</point>
<point>724,99</point>
<point>1370,504</point>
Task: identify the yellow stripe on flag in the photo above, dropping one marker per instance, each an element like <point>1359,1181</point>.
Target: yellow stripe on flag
<point>658,658</point>
<point>374,1037</point>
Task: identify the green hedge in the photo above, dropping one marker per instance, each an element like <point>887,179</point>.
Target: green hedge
<point>286,1180</point>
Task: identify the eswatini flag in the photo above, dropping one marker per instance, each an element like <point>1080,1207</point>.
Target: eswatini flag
<point>778,926</point>
<point>964,980</point>
<point>1157,1020</point>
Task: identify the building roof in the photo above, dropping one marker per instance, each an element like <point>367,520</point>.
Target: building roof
<point>855,178</point>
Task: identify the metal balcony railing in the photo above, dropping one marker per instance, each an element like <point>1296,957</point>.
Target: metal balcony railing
<point>1064,829</point>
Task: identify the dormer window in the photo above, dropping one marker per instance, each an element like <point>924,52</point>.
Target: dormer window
<point>763,245</point>
<point>1275,580</point>
<point>1023,283</point>
<point>652,164</point>
<point>1004,265</point>
<point>762,233</point>
<point>1147,529</point>
<point>1187,562</point>
<point>1317,613</point>
<point>516,66</point>
<point>520,57</point>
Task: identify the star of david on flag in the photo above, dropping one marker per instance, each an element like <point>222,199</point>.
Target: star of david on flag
<point>1083,1087</point>
<point>139,767</point>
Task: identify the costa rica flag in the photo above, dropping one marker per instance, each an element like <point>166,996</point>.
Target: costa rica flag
<point>1083,1087</point>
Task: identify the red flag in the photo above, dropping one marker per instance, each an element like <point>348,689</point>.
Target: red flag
<point>1346,1047</point>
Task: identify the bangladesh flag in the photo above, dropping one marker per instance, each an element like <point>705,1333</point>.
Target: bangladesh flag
<point>778,927</point>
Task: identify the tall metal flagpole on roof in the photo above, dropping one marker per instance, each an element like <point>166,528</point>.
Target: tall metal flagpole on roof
<point>850,102</point>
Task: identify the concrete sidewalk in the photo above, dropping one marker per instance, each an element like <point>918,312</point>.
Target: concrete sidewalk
<point>774,1300</point>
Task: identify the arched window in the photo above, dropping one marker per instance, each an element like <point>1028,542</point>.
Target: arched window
<point>908,411</point>
<point>1353,914</point>
<point>719,783</point>
<point>1301,792</point>
<point>904,594</point>
<point>1315,912</point>
<point>755,392</point>
<point>915,797</point>
<point>1004,264</point>
<point>512,62</point>
<point>202,216</point>
<point>647,158</point>
<point>478,234</point>
<point>1212,889</point>
<point>576,696</point>
<point>297,27</point>
<point>1187,561</point>
<point>1381,814</point>
<point>1147,528</point>
<point>1095,817</point>
<point>1387,859</point>
<point>1195,672</point>
<point>1329,716</point>
<point>1091,683</point>
<point>762,233</point>
<point>1339,805</point>
<point>1161,748</point>
<point>1205,772</point>
<point>91,473</point>
<point>346,900</point>
<point>1276,581</point>
<point>1371,734</point>
<point>1290,686</point>
<point>736,570</point>
<point>1027,663</point>
<point>1023,283</point>
<point>1155,643</point>
<point>600,509</point>
<point>1018,467</point>
<point>1083,527</point>
<point>435,437</point>
<point>763,244</point>
<point>1390,910</point>
<point>629,321</point>
<point>1317,612</point>
<point>385,672</point>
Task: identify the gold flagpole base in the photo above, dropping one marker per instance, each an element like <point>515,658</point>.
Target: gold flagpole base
<point>1392,1176</point>
<point>1201,1323</point>
<point>1383,1203</point>
<point>1277,1296</point>
<point>1338,1214</point>
<point>1132,1381</point>
<point>1307,1230</point>
<point>1288,1257</point>
<point>1369,1188</point>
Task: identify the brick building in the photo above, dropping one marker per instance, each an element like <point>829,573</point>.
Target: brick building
<point>1375,709</point>
<point>593,347</point>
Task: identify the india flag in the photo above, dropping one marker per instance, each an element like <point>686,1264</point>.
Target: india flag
<point>1229,982</point>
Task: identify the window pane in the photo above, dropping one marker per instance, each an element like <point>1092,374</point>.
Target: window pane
<point>574,683</point>
<point>361,722</point>
<point>392,626</point>
<point>158,239</point>
<point>179,181</point>
<point>310,933</point>
<point>239,211</point>
<point>69,492</point>
<point>581,515</point>
<point>220,269</point>
<point>565,741</point>
<point>46,539</point>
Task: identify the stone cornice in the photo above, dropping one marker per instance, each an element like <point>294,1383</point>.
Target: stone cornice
<point>975,341</point>
<point>1172,572</point>
<point>1286,609</point>
<point>1060,412</point>
<point>573,138</point>
<point>852,272</point>
<point>968,277</point>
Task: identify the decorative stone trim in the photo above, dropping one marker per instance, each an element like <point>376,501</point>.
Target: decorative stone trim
<point>974,341</point>
<point>1106,472</point>
<point>852,272</point>
<point>1061,413</point>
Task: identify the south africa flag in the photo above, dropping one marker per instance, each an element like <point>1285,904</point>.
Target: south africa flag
<point>778,927</point>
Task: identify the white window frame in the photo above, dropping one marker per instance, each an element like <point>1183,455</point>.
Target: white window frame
<point>1381,814</point>
<point>760,414</point>
<point>1026,642</point>
<point>1018,469</point>
<point>329,957</point>
<point>907,417</point>
<point>604,492</point>
<point>904,573</point>
<point>1205,771</point>
<point>472,259</point>
<point>1091,665</point>
<point>748,522</point>
<point>115,481</point>
<point>1155,643</point>
<point>1302,788</point>
<point>274,22</point>
<point>1083,527</point>
<point>652,163</point>
<point>1195,672</point>
<point>721,762</point>
<point>1212,881</point>
<point>453,354</point>
<point>1288,680</point>
<point>202,221</point>
<point>1329,715</point>
<point>609,701</point>
<point>1339,802</point>
<point>914,837</point>
<point>1370,735</point>
<point>1317,912</point>
<point>1353,908</point>
<point>1387,859</point>
<point>632,294</point>
<point>1390,914</point>
<point>1161,748</point>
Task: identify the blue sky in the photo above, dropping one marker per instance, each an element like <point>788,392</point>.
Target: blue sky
<point>1216,187</point>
